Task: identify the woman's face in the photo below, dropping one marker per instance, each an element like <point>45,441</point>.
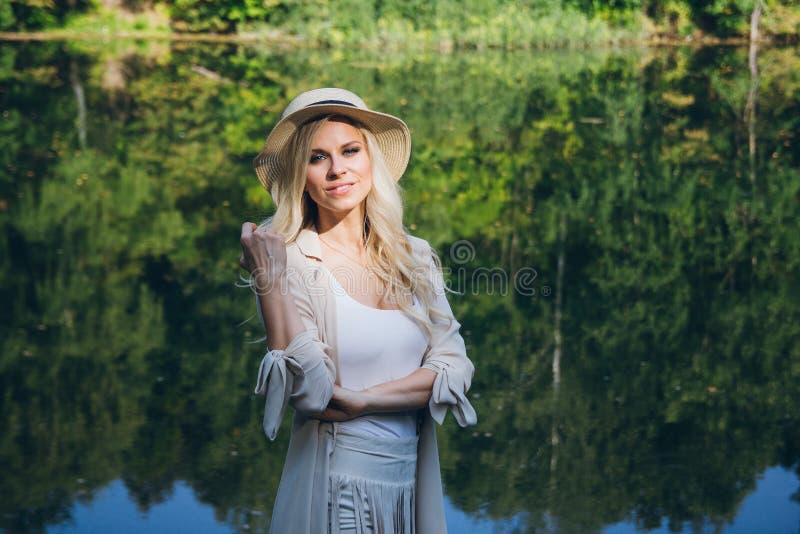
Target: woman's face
<point>339,174</point>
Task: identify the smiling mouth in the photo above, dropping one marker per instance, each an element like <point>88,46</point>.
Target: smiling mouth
<point>340,189</point>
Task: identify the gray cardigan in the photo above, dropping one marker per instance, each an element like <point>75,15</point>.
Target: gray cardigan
<point>304,373</point>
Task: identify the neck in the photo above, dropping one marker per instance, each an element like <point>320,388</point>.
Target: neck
<point>346,230</point>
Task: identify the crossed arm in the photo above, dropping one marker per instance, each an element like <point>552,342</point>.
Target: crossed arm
<point>411,392</point>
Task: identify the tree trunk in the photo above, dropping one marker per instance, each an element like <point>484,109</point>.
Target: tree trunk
<point>555,439</point>
<point>80,100</point>
<point>557,351</point>
<point>750,108</point>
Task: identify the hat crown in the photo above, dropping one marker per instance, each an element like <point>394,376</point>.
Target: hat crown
<point>325,95</point>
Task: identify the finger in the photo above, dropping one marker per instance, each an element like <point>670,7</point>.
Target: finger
<point>331,415</point>
<point>277,236</point>
<point>247,229</point>
<point>324,415</point>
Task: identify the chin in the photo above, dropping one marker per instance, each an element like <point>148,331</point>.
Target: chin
<point>341,206</point>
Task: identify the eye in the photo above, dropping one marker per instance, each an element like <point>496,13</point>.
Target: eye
<point>351,151</point>
<point>316,157</point>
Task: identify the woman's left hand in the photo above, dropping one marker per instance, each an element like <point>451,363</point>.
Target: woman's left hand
<point>345,404</point>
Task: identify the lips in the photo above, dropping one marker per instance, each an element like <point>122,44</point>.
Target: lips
<point>340,189</point>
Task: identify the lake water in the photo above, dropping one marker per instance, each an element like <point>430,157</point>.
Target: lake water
<point>620,229</point>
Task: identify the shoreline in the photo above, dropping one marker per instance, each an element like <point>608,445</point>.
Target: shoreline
<point>293,42</point>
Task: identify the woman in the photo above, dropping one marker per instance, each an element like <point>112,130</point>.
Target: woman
<point>362,342</point>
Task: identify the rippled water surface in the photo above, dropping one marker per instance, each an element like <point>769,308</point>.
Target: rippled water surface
<point>621,228</point>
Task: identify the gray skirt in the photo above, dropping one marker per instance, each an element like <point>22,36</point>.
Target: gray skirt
<point>372,484</point>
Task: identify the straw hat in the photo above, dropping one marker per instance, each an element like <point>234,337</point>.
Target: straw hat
<point>392,133</point>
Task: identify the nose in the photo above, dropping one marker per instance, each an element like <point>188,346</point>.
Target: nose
<point>337,168</point>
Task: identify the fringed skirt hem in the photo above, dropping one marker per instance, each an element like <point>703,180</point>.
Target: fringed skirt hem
<point>372,485</point>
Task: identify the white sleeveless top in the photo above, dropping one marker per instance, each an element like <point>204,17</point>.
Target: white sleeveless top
<point>375,346</point>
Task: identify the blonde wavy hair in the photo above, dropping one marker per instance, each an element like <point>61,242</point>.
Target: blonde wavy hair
<point>388,249</point>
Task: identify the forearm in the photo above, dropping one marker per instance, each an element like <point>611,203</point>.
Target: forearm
<point>411,392</point>
<point>282,321</point>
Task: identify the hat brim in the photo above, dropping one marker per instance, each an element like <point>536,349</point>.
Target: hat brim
<point>391,133</point>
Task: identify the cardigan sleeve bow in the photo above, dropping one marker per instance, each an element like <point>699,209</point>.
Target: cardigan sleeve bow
<point>280,371</point>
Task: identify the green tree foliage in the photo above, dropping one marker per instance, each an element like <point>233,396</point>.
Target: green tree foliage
<point>398,23</point>
<point>22,15</point>
<point>221,17</point>
<point>721,17</point>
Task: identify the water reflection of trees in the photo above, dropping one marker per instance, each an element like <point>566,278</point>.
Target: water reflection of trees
<point>122,356</point>
<point>677,387</point>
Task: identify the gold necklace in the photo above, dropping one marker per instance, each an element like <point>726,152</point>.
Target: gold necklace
<point>348,256</point>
